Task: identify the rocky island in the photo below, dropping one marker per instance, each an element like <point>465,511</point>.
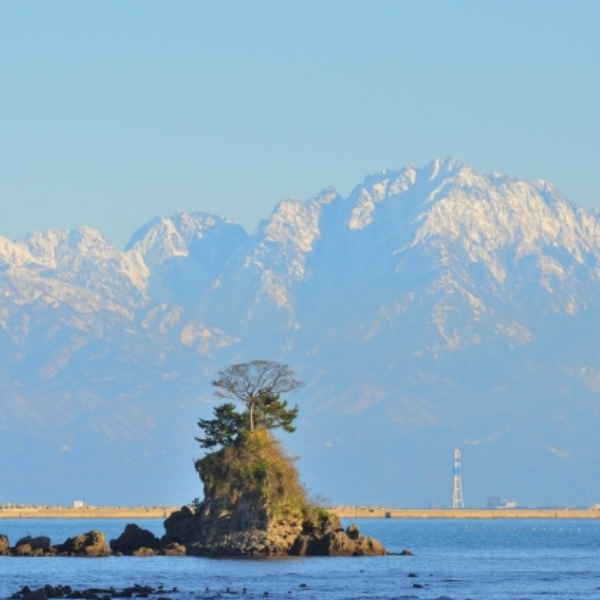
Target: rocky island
<point>254,503</point>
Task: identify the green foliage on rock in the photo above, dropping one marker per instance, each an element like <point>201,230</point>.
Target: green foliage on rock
<point>255,469</point>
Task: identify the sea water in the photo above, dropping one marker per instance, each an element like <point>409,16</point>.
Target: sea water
<point>454,559</point>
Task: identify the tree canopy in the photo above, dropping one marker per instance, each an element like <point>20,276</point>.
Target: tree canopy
<point>273,413</point>
<point>255,382</point>
<point>258,386</point>
<point>224,428</point>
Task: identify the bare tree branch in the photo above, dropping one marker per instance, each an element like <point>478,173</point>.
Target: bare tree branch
<point>251,381</point>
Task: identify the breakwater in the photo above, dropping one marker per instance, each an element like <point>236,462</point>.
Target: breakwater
<point>348,512</point>
<point>58,512</point>
<point>344,512</point>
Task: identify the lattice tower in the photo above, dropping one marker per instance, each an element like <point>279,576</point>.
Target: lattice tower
<point>457,491</point>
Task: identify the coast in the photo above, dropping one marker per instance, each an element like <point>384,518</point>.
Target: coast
<point>343,512</point>
<point>349,512</point>
<point>105,512</point>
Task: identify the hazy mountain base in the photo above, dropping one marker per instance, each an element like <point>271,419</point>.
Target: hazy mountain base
<point>433,308</point>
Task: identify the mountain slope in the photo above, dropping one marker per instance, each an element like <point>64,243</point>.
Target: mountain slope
<point>433,307</point>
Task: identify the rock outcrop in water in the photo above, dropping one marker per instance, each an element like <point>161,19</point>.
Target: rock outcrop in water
<point>33,546</point>
<point>254,505</point>
<point>92,544</point>
<point>135,540</point>
<point>4,545</point>
<point>93,593</point>
<point>323,535</point>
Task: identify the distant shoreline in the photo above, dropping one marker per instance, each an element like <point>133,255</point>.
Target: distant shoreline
<point>465,513</point>
<point>56,512</point>
<point>346,512</point>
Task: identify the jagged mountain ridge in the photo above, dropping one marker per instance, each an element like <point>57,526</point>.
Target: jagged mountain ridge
<point>432,307</point>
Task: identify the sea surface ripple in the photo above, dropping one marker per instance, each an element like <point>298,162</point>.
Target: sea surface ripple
<point>454,560</point>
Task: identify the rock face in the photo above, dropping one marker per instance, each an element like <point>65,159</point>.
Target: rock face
<point>174,550</point>
<point>254,505</point>
<point>253,502</point>
<point>323,535</point>
<point>133,539</point>
<point>92,543</point>
<point>4,545</point>
<point>32,546</point>
<point>144,552</point>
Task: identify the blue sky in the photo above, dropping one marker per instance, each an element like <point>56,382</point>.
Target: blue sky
<point>113,112</point>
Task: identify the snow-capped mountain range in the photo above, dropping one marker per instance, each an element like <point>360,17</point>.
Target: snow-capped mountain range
<point>432,308</point>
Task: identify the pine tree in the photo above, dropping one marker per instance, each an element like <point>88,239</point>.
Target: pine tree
<point>258,385</point>
<point>273,413</point>
<point>224,428</point>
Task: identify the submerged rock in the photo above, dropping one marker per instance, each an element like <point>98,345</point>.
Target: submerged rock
<point>65,591</point>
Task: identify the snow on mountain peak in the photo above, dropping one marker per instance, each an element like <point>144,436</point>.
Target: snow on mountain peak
<point>432,299</point>
<point>164,238</point>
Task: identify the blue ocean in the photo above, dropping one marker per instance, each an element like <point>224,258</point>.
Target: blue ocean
<point>454,559</point>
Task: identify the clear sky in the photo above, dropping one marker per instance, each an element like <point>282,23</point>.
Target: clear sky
<point>114,112</point>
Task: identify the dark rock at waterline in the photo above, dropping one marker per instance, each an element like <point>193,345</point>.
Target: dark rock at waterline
<point>144,552</point>
<point>334,543</point>
<point>324,536</point>
<point>302,545</point>
<point>91,544</point>
<point>173,550</point>
<point>319,534</point>
<point>32,546</point>
<point>36,543</point>
<point>133,539</point>
<point>49,592</point>
<point>4,545</point>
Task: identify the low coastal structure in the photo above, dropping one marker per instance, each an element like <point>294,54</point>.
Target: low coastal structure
<point>88,512</point>
<point>365,512</point>
<point>343,512</point>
